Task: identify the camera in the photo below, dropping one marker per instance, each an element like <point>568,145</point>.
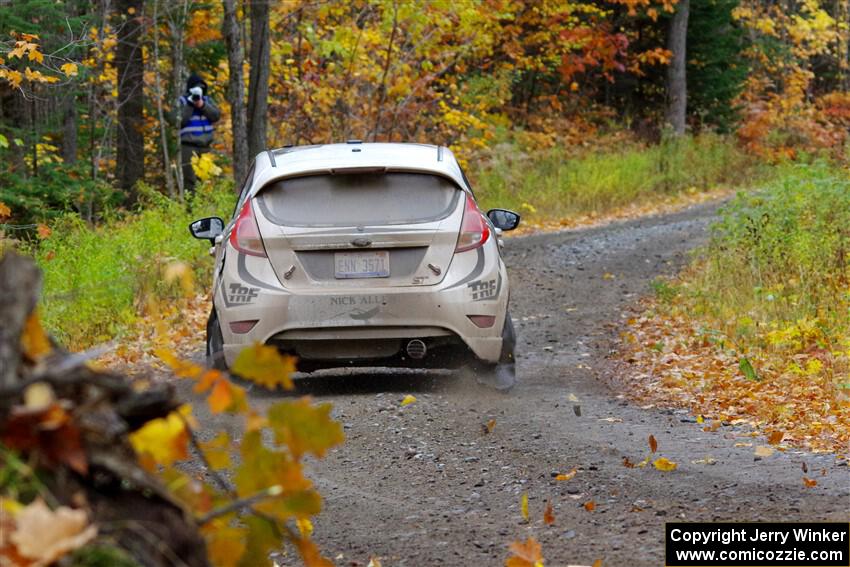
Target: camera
<point>196,94</point>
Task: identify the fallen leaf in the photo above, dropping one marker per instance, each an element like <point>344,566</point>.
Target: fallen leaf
<point>523,506</point>
<point>490,426</point>
<point>590,506</point>
<point>705,461</point>
<point>608,276</point>
<point>525,554</point>
<point>548,515</point>
<point>597,563</point>
<point>764,451</point>
<point>774,437</point>
<point>700,419</point>
<point>664,464</point>
<point>804,466</point>
<point>572,398</point>
<point>408,399</point>
<point>566,476</point>
<point>809,482</point>
<point>374,562</point>
<point>627,463</point>
<point>44,535</point>
<point>653,444</point>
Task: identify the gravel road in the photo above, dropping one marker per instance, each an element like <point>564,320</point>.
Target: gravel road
<point>427,484</point>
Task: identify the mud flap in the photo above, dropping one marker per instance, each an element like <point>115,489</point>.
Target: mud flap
<point>215,344</point>
<point>500,376</point>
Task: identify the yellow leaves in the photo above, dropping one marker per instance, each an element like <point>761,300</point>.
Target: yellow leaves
<point>165,440</point>
<point>5,211</point>
<point>304,427</point>
<point>528,553</point>
<point>523,506</point>
<point>34,341</point>
<point>407,400</point>
<point>664,464</point>
<point>70,69</point>
<point>217,451</point>
<point>205,166</point>
<point>490,426</point>
<point>265,365</point>
<point>44,536</point>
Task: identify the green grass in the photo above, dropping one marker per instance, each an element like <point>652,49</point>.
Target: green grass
<point>777,270</point>
<point>556,184</point>
<point>97,278</point>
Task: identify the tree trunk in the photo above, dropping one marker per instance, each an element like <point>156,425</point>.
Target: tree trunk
<point>258,88</point>
<point>69,126</point>
<point>163,125</point>
<point>130,154</point>
<point>677,84</point>
<point>236,90</point>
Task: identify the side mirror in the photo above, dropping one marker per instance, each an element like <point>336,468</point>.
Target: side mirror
<point>503,219</point>
<point>207,228</point>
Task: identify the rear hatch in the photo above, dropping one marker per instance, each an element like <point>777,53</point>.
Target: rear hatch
<point>360,229</point>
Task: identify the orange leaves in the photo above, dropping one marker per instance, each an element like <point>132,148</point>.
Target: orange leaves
<point>548,514</point>
<point>528,553</point>
<point>224,394</point>
<point>304,427</point>
<point>775,437</point>
<point>653,444</point>
<point>34,341</point>
<point>809,482</point>
<point>566,476</point>
<point>590,505</point>
<point>47,431</point>
<point>265,365</point>
<point>5,211</point>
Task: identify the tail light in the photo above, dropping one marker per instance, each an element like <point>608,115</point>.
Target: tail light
<point>245,235</point>
<point>474,230</point>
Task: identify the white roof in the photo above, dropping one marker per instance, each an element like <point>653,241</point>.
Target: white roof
<point>327,158</point>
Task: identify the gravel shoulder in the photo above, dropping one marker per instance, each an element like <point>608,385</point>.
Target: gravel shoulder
<point>427,484</point>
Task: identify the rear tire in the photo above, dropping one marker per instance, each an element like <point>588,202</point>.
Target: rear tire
<point>215,344</point>
<point>502,375</point>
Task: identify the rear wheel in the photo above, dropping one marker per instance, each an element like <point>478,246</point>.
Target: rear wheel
<point>502,375</point>
<point>215,344</point>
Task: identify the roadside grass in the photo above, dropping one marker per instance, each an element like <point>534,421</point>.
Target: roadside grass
<point>560,183</point>
<point>99,279</point>
<point>757,328</point>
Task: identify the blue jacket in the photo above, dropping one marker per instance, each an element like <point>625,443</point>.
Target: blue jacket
<point>196,125</point>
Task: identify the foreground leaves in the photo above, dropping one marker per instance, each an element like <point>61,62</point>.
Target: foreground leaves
<point>43,535</point>
<point>528,553</point>
<point>264,365</point>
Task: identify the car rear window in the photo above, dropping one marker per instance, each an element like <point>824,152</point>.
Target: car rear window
<point>353,199</point>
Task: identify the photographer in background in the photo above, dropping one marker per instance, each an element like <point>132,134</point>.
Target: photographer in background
<point>198,114</point>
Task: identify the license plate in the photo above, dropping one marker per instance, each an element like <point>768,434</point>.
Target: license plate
<point>362,264</point>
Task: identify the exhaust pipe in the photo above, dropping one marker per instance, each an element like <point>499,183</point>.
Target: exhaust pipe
<point>416,349</point>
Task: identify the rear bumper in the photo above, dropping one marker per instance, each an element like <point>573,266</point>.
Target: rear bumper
<point>360,326</point>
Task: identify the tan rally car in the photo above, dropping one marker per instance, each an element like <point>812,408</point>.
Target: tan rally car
<point>362,255</point>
